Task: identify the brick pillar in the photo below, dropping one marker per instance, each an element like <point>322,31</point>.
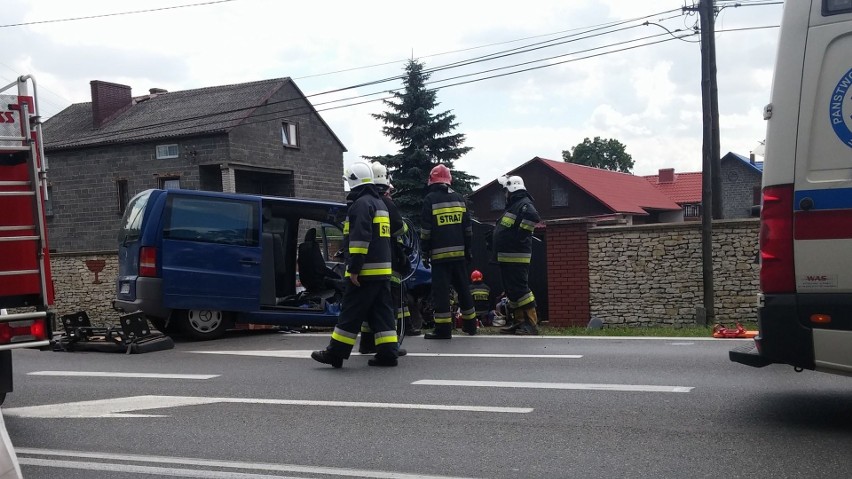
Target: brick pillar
<point>229,182</point>
<point>568,272</point>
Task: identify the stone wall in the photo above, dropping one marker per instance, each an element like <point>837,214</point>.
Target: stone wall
<point>652,274</point>
<point>78,288</point>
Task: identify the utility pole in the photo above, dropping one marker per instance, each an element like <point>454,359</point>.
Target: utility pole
<point>711,179</point>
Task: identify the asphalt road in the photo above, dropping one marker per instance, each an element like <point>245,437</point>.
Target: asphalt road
<point>256,407</point>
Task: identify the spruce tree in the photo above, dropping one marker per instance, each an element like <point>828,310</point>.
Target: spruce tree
<point>425,139</point>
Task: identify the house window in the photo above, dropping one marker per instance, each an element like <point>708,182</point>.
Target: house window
<point>290,135</point>
<point>165,152</point>
<point>121,195</point>
<point>691,211</point>
<point>170,183</point>
<point>498,201</point>
<point>48,202</point>
<point>558,195</point>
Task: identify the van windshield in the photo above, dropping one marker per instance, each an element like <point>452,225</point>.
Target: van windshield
<point>131,222</point>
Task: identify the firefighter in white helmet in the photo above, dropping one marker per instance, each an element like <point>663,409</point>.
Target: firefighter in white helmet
<point>401,265</point>
<point>512,250</point>
<point>366,243</point>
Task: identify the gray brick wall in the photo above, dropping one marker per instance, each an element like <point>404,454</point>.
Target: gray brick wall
<point>738,183</point>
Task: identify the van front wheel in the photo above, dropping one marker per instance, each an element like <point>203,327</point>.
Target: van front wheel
<point>203,324</point>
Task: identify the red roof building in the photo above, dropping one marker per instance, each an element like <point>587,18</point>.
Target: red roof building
<point>682,188</point>
<point>568,190</point>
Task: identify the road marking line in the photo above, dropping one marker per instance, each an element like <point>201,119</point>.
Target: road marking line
<point>122,407</point>
<point>689,343</point>
<point>186,461</point>
<point>99,374</point>
<point>511,336</point>
<point>306,354</point>
<point>151,470</point>
<point>572,386</point>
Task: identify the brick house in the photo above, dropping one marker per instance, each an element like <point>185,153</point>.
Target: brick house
<point>261,137</point>
<point>569,190</point>
<point>683,188</point>
<point>741,179</point>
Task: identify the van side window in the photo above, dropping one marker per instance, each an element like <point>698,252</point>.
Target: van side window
<point>212,220</point>
<point>131,222</point>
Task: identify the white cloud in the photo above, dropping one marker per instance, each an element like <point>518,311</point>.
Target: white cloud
<point>648,98</point>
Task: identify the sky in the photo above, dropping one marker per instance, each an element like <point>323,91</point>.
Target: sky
<point>577,85</point>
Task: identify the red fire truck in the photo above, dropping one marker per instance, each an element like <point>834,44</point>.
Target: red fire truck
<point>26,288</point>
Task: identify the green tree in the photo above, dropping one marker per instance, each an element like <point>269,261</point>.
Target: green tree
<point>608,154</point>
<point>425,139</point>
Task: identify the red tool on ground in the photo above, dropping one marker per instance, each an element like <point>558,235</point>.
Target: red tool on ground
<point>720,331</point>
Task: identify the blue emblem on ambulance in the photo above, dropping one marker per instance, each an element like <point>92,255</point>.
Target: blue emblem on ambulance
<point>840,109</point>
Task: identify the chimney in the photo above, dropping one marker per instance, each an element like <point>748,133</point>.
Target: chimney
<point>157,91</point>
<point>751,157</point>
<point>666,176</point>
<point>108,100</point>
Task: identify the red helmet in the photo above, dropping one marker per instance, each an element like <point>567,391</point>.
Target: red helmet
<point>440,174</point>
<point>476,276</point>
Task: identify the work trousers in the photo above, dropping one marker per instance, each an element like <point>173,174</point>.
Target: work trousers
<point>515,278</point>
<point>371,303</point>
<point>444,275</point>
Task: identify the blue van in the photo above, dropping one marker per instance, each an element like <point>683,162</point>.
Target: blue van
<point>200,261</point>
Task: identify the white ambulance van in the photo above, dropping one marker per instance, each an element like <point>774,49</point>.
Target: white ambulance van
<point>805,300</point>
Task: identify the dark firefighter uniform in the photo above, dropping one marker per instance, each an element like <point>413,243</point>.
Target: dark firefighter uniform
<point>367,233</point>
<point>512,250</point>
<point>481,293</point>
<point>398,227</point>
<point>445,239</point>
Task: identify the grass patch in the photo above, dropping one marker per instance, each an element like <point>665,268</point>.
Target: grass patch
<point>655,331</point>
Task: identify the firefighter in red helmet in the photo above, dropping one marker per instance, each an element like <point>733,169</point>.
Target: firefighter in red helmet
<point>481,293</point>
<point>445,238</point>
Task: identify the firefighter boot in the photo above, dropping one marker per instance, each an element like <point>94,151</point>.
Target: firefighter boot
<point>513,321</point>
<point>442,331</point>
<point>327,357</point>
<point>386,355</point>
<point>367,344</point>
<point>529,327</point>
<point>469,326</point>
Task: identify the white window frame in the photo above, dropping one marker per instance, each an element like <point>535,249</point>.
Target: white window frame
<point>167,183</point>
<point>290,134</point>
<point>166,152</point>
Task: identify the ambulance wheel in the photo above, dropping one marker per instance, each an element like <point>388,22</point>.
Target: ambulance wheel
<point>203,324</point>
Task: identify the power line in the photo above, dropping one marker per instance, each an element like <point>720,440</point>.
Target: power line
<point>134,12</point>
<point>292,112</point>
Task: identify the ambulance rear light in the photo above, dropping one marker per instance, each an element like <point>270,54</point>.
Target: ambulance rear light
<point>148,261</point>
<point>777,273</point>
<point>23,331</point>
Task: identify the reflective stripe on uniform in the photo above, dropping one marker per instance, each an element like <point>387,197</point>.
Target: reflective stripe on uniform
<point>527,225</point>
<point>358,247</point>
<point>448,252</point>
<point>513,257</point>
<point>508,219</point>
<point>346,227</point>
<point>468,314</point>
<point>376,269</point>
<point>365,328</point>
<point>525,300</point>
<point>402,313</point>
<point>344,337</point>
<point>448,207</point>
<point>385,337</point>
<point>443,318</point>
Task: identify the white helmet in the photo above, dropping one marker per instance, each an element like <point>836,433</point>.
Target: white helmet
<point>380,174</point>
<point>512,183</point>
<point>358,173</point>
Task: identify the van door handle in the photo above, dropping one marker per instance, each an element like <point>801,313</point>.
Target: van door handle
<point>249,261</point>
